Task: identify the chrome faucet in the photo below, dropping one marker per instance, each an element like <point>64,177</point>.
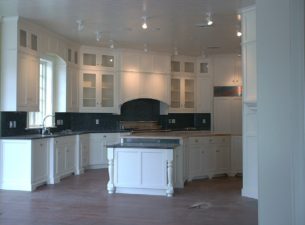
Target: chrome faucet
<point>45,130</point>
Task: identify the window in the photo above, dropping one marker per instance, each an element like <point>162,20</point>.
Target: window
<point>35,119</point>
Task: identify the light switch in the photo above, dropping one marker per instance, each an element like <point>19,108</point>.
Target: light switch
<point>97,121</point>
<point>14,124</point>
<point>11,125</point>
<point>173,121</point>
<point>204,121</point>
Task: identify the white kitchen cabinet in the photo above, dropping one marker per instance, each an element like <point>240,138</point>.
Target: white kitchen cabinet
<point>198,160</point>
<point>62,157</point>
<point>82,153</point>
<point>182,95</point>
<point>28,83</point>
<point>72,89</point>
<point>228,115</point>
<point>98,91</point>
<point>183,65</point>
<point>23,164</point>
<point>135,61</point>
<point>97,59</point>
<point>204,95</point>
<point>19,68</point>
<point>208,156</point>
<point>227,70</point>
<point>98,150</point>
<point>236,155</point>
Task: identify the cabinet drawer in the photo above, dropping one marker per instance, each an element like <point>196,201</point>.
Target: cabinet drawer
<point>221,140</point>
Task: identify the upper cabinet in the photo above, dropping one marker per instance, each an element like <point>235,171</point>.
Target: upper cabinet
<point>96,59</point>
<point>227,70</point>
<point>97,91</point>
<point>183,84</point>
<point>183,65</point>
<point>134,61</point>
<point>182,95</point>
<point>19,67</point>
<point>27,38</point>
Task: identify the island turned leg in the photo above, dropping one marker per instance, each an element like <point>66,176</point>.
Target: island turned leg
<point>170,188</point>
<point>110,185</point>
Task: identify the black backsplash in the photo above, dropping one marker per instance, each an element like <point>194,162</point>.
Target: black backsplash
<point>107,122</point>
<point>19,117</point>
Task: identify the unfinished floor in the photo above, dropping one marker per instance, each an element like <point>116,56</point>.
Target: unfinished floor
<point>83,200</point>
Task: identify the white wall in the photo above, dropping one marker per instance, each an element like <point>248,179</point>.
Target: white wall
<point>281,157</point>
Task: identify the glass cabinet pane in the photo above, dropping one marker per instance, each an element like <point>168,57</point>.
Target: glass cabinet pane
<point>175,66</point>
<point>189,67</point>
<point>107,90</point>
<point>89,59</point>
<point>175,93</point>
<point>204,68</point>
<point>75,57</point>
<point>189,93</point>
<point>107,60</point>
<point>69,55</point>
<point>89,90</point>
<point>22,38</point>
<point>34,42</point>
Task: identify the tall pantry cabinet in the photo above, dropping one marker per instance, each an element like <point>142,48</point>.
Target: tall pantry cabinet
<point>20,66</point>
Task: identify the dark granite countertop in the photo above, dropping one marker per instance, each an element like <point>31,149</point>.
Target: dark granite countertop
<point>144,145</point>
<point>58,134</point>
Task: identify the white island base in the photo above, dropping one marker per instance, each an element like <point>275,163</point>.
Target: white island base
<point>137,170</point>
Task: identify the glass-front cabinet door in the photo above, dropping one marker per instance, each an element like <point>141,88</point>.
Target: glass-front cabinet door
<point>97,91</point>
<point>107,90</point>
<point>89,87</point>
<point>175,93</point>
<point>189,100</point>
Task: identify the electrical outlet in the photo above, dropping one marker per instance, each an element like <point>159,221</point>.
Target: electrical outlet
<point>10,124</point>
<point>173,121</point>
<point>97,121</point>
<point>204,121</point>
<point>57,122</point>
<point>14,124</point>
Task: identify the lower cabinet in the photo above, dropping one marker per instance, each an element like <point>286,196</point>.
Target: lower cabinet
<point>62,157</point>
<point>82,153</point>
<point>23,164</point>
<point>208,156</point>
<point>98,150</point>
<point>236,155</point>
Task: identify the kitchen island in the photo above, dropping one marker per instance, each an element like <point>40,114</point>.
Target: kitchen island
<point>143,166</point>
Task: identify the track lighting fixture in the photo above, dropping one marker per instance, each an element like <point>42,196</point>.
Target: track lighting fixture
<point>145,48</point>
<point>176,51</point>
<point>80,25</point>
<point>111,44</point>
<point>98,35</point>
<point>209,19</point>
<point>144,24</point>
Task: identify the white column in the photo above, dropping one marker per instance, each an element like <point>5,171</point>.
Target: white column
<point>281,86</point>
<point>110,157</point>
<point>170,188</point>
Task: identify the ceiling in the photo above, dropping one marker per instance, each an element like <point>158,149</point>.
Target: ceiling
<point>171,23</point>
